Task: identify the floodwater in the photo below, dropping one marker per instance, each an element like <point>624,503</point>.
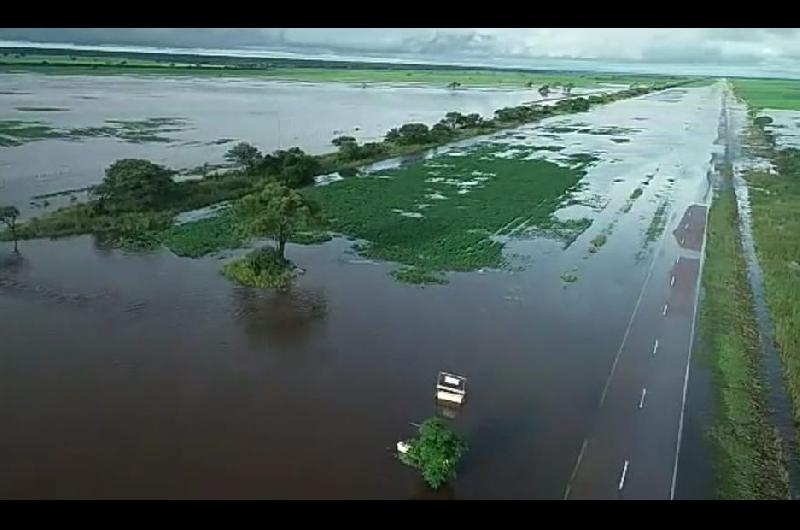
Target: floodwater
<point>152,376</point>
<point>268,114</point>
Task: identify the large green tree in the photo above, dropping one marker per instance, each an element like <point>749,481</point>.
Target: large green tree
<point>8,215</point>
<point>245,155</point>
<point>133,185</point>
<point>276,211</point>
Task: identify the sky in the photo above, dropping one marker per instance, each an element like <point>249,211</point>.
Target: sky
<point>715,51</point>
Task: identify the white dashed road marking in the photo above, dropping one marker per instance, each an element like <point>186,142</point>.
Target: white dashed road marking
<point>622,478</point>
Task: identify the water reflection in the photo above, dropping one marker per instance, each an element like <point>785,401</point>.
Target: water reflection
<point>285,318</point>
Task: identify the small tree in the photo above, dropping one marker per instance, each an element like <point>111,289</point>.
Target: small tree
<point>452,119</point>
<point>544,90</point>
<point>245,155</point>
<point>134,184</point>
<point>435,453</point>
<point>8,215</point>
<point>276,211</point>
<point>348,147</point>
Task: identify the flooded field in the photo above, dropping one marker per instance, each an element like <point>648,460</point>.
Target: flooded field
<point>149,375</point>
<point>83,124</point>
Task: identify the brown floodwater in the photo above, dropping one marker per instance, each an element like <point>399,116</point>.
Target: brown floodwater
<point>151,376</point>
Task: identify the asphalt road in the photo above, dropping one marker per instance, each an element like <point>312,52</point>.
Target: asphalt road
<point>632,449</point>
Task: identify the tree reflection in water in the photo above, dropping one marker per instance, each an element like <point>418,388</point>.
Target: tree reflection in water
<point>284,318</point>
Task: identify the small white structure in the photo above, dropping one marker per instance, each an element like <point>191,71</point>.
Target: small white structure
<point>403,447</point>
<point>451,388</point>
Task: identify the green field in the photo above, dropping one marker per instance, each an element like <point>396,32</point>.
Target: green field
<point>775,205</point>
<point>775,208</point>
<point>438,215</point>
<point>748,461</point>
<point>779,94</point>
<point>66,62</point>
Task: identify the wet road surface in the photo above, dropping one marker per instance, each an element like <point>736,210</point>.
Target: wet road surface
<point>631,452</point>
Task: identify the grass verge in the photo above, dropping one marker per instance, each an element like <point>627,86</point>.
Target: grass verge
<point>748,463</point>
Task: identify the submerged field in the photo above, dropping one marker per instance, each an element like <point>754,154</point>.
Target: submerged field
<point>440,214</point>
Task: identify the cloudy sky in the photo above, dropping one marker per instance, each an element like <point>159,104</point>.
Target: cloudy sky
<point>686,50</point>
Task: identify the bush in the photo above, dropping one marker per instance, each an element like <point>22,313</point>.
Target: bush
<point>262,268</point>
<point>435,453</point>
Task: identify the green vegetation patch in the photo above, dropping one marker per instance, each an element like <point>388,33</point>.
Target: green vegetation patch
<point>262,268</point>
<point>418,276</point>
<point>782,94</point>
<point>435,452</point>
<point>775,207</point>
<point>42,109</point>
<point>18,132</point>
<point>748,453</point>
<point>468,198</point>
<point>204,236</point>
<point>569,277</point>
<point>657,223</point>
<point>597,242</point>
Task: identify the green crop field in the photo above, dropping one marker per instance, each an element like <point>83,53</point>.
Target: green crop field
<point>782,94</point>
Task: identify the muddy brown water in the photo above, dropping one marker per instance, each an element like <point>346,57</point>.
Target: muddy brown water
<point>152,376</point>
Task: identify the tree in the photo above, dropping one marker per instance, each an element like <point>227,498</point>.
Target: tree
<point>414,133</point>
<point>568,88</point>
<point>276,211</point>
<point>393,135</point>
<point>8,215</point>
<point>348,147</point>
<point>134,184</point>
<point>544,90</point>
<point>299,168</point>
<point>245,155</point>
<point>435,453</point>
<point>452,119</point>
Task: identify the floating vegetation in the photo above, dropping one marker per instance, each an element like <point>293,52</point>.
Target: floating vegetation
<point>221,141</point>
<point>474,196</point>
<point>565,231</point>
<point>657,223</point>
<point>18,132</point>
<point>569,277</point>
<point>620,140</point>
<point>597,242</point>
<point>42,109</point>
<point>418,276</point>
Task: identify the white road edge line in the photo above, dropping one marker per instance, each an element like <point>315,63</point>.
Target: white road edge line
<point>689,358</point>
<point>655,347</point>
<point>622,478</point>
<point>641,401</point>
<point>616,358</point>
<point>575,469</point>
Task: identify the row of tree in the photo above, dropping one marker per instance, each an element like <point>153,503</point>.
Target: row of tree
<point>293,167</point>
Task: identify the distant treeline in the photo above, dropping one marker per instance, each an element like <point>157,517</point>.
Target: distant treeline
<point>266,63</point>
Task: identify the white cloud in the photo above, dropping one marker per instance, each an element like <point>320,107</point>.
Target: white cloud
<point>534,47</point>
